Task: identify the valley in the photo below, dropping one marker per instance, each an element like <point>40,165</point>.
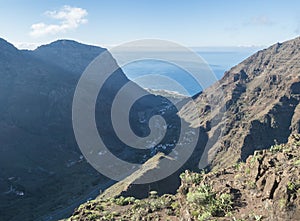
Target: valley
<point>253,107</point>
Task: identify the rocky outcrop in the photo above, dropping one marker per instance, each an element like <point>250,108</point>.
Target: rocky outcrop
<point>265,187</point>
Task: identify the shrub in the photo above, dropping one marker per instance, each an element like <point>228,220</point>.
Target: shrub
<point>192,178</point>
<point>93,216</point>
<point>202,195</point>
<point>251,184</point>
<point>122,201</point>
<point>297,163</point>
<point>239,165</point>
<point>204,216</point>
<point>277,148</point>
<point>206,203</point>
<point>247,170</point>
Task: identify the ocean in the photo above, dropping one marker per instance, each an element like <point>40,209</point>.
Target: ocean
<point>161,75</point>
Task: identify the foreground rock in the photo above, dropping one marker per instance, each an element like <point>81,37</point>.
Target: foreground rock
<point>265,187</point>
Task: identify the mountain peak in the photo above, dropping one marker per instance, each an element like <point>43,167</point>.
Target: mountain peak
<point>5,45</point>
<point>64,44</point>
<point>70,55</point>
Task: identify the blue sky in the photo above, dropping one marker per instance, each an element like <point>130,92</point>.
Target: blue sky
<point>111,22</point>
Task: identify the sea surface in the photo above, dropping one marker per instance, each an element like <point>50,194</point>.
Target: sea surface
<point>157,75</point>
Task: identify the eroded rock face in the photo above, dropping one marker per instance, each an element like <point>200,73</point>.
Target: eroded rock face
<point>261,98</point>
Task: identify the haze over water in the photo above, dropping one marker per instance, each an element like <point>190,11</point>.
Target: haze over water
<point>152,73</point>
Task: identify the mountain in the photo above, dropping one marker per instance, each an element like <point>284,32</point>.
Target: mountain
<point>259,104</point>
<point>255,106</point>
<point>265,187</point>
<point>41,167</point>
<point>43,174</point>
<point>70,55</point>
<point>39,158</point>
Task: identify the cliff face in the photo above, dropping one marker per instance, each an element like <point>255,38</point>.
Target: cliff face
<point>260,97</point>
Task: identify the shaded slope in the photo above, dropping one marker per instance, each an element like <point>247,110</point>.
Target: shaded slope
<point>70,55</point>
<point>39,160</point>
<point>41,167</point>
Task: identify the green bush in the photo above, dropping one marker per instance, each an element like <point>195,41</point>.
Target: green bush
<point>191,178</point>
<point>202,195</point>
<point>122,201</point>
<point>206,203</point>
<point>93,216</point>
<point>277,148</point>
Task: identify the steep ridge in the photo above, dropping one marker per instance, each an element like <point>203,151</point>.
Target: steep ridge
<point>260,97</point>
<point>39,159</point>
<point>41,166</point>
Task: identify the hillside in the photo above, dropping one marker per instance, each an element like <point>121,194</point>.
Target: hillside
<point>39,160</point>
<point>254,106</point>
<point>265,187</point>
<point>41,167</point>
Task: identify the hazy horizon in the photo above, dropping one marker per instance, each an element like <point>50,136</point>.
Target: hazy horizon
<point>193,24</point>
<point>211,48</point>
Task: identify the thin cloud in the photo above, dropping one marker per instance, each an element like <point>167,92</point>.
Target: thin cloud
<point>297,30</point>
<point>261,21</point>
<point>69,18</point>
<point>26,45</point>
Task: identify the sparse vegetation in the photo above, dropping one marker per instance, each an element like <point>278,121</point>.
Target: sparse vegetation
<point>297,162</point>
<point>122,201</point>
<point>277,148</point>
<point>258,217</point>
<point>192,178</point>
<point>239,165</point>
<point>210,196</point>
<point>247,170</point>
<point>251,184</point>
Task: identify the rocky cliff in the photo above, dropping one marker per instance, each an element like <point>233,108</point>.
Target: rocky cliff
<point>259,99</point>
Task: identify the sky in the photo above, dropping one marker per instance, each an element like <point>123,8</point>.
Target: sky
<point>192,23</point>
